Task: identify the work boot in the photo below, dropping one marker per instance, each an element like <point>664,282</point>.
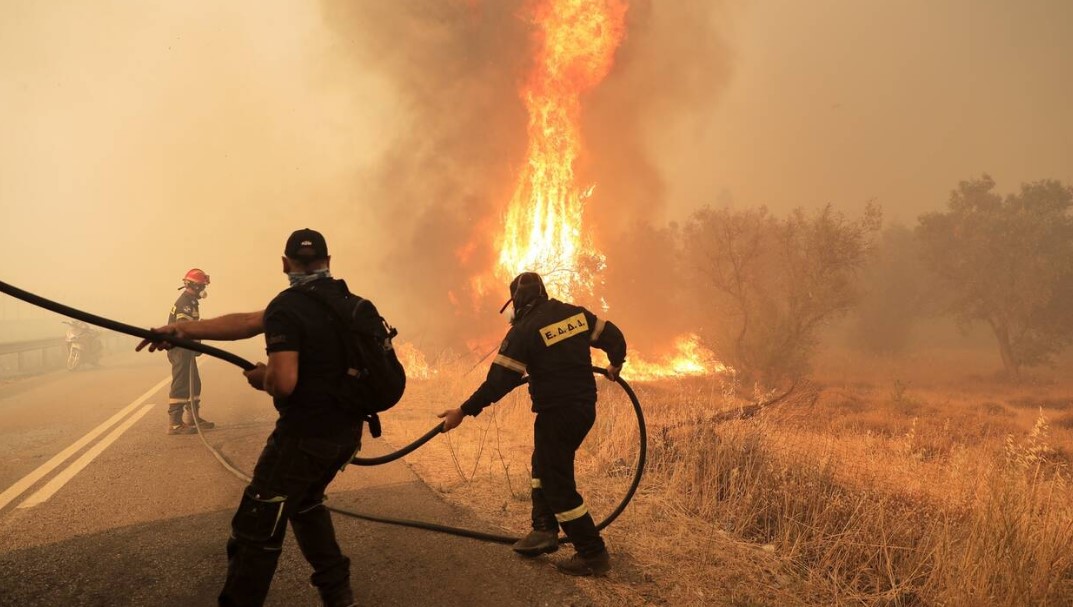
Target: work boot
<point>596,565</point>
<point>176,425</point>
<point>202,423</point>
<point>181,429</point>
<point>538,542</point>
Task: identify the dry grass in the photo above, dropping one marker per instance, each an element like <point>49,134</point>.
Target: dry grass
<point>893,489</point>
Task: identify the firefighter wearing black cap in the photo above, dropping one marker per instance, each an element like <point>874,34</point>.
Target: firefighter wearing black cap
<point>550,341</point>
<point>185,394</point>
<point>315,436</point>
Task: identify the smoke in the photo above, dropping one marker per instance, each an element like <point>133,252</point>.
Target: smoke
<point>669,75</point>
<point>442,187</point>
<point>459,131</point>
<point>153,137</point>
<point>145,138</point>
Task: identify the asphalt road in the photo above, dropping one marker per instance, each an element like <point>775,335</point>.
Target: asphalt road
<point>99,507</point>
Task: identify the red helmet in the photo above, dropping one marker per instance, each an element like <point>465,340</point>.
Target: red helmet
<point>196,276</point>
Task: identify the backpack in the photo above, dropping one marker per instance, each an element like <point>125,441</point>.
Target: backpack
<point>374,379</point>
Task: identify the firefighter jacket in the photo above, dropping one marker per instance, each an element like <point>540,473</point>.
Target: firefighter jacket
<point>551,344</point>
<point>185,308</point>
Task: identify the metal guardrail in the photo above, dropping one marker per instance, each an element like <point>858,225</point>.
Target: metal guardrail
<point>38,355</point>
<point>15,347</point>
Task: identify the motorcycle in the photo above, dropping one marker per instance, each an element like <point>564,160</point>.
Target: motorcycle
<point>84,345</point>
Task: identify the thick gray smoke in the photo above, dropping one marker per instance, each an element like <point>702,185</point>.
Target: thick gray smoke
<point>160,136</point>
<point>459,135</point>
<point>669,73</point>
<point>441,188</point>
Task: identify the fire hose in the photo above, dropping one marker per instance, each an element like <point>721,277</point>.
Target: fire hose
<point>246,365</point>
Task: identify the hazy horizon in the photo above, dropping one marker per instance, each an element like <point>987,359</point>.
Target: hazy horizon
<point>142,139</point>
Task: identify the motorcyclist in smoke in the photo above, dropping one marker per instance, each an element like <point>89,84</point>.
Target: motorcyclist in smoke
<point>83,345</point>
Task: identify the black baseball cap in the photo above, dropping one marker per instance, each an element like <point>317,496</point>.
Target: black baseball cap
<point>306,245</point>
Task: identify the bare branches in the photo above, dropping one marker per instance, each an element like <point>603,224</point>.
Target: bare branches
<point>772,283</point>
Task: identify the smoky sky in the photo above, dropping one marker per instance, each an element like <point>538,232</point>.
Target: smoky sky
<point>139,139</point>
<point>448,168</point>
<point>449,171</point>
<point>843,102</point>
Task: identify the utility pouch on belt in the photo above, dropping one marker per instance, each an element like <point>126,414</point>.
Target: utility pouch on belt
<point>374,425</point>
<point>258,517</point>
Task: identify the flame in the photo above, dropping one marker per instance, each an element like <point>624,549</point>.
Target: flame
<point>575,44</point>
<point>414,361</point>
<point>690,359</point>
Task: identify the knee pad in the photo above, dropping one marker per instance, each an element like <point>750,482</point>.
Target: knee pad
<point>259,517</point>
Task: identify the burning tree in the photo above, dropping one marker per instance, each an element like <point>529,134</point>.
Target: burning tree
<point>770,284</point>
<point>574,47</point>
<point>1009,263</point>
<point>575,44</point>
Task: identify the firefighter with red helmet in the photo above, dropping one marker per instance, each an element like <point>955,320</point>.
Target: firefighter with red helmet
<point>185,394</point>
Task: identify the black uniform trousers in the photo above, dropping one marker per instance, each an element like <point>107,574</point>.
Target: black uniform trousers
<point>288,486</point>
<point>557,434</point>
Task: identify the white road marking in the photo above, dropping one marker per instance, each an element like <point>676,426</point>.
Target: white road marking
<point>61,479</point>
<point>28,481</point>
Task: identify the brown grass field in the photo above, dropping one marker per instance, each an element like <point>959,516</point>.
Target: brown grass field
<point>879,483</point>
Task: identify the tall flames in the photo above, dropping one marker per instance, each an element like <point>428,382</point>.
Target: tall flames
<point>575,43</point>
<point>689,359</point>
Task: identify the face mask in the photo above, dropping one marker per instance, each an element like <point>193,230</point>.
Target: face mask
<point>198,290</point>
<point>300,278</point>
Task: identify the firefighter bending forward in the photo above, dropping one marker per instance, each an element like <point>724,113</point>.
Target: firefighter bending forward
<point>550,340</point>
<point>185,394</point>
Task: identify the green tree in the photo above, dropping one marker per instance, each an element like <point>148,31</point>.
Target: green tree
<point>770,284</point>
<point>1008,262</point>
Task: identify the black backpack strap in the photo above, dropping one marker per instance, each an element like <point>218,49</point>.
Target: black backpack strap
<point>372,419</point>
<point>333,309</point>
<point>319,297</point>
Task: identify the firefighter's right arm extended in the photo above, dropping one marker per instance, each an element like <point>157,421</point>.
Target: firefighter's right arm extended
<point>229,327</point>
